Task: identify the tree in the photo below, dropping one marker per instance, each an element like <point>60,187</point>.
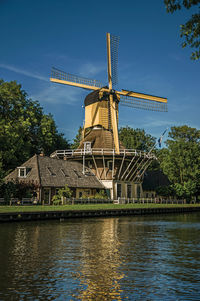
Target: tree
<point>136,139</point>
<point>77,139</point>
<point>62,193</point>
<point>191,29</point>
<point>181,160</point>
<point>24,128</point>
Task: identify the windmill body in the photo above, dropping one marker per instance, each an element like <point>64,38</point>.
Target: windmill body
<point>120,170</point>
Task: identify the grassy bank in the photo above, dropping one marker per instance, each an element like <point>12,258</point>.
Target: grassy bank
<point>12,209</point>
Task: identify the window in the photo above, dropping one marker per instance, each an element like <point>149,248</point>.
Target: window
<point>64,173</point>
<point>129,188</point>
<point>138,191</point>
<point>77,173</point>
<point>23,172</point>
<point>119,190</point>
<point>51,171</point>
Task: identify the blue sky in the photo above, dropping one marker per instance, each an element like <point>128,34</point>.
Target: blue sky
<point>36,35</point>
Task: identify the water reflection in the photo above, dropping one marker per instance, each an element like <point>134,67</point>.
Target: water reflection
<point>100,249</point>
<point>128,258</point>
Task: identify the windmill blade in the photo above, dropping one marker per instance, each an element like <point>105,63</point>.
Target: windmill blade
<point>114,44</point>
<point>109,60</point>
<point>114,123</point>
<point>144,104</point>
<point>142,95</point>
<point>62,77</point>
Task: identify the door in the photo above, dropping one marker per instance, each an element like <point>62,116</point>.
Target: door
<point>128,192</point>
<point>47,195</point>
<point>119,190</point>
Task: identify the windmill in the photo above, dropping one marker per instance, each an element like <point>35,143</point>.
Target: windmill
<point>103,111</point>
<point>120,170</point>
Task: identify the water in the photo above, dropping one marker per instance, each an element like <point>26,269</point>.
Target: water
<point>126,258</point>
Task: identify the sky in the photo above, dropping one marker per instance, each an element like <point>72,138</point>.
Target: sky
<point>71,35</point>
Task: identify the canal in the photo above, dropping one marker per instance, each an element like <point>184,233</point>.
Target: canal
<point>125,258</point>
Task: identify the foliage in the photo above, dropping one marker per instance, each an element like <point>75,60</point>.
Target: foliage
<point>17,190</point>
<point>100,195</point>
<point>77,139</point>
<point>191,29</point>
<point>24,128</point>
<point>165,190</point>
<point>62,193</point>
<point>7,191</point>
<point>136,139</point>
<point>181,160</point>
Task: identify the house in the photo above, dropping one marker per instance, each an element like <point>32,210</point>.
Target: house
<point>47,175</point>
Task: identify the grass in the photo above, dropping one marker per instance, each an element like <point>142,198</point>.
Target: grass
<point>39,208</point>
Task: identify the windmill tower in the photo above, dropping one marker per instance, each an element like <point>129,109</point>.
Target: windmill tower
<point>119,169</point>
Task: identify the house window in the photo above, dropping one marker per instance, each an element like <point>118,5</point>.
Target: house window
<point>77,173</point>
<point>87,192</point>
<point>110,165</point>
<point>129,188</point>
<point>138,191</point>
<point>64,173</point>
<point>23,172</point>
<point>119,190</point>
<point>51,171</point>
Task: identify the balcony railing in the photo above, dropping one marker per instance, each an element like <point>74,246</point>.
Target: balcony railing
<point>102,152</point>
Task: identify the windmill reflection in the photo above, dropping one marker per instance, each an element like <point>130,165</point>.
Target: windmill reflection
<point>99,271</point>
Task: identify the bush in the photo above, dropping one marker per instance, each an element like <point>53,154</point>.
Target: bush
<point>100,195</point>
<point>62,193</point>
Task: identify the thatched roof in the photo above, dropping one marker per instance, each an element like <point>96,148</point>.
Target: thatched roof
<point>52,172</point>
<point>99,138</point>
<point>94,97</point>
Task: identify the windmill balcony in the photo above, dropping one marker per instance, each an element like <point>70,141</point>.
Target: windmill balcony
<point>70,153</point>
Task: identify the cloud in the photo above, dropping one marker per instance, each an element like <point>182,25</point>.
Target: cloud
<point>90,69</point>
<point>24,72</point>
<point>59,94</point>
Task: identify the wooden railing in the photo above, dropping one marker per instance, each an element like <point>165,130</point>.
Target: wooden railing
<point>102,151</point>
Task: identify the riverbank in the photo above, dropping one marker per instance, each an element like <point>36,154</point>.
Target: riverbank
<point>27,213</point>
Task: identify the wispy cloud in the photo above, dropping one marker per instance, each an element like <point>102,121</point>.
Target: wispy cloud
<point>24,72</point>
<point>58,94</point>
<point>89,69</point>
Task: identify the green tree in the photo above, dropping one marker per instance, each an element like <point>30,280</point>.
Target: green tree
<point>64,192</point>
<point>181,160</point>
<point>24,128</point>
<point>190,31</point>
<point>77,139</point>
<point>136,139</point>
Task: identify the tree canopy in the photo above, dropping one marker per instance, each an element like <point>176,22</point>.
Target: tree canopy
<point>180,161</point>
<point>190,31</point>
<point>77,139</point>
<point>24,128</point>
<point>136,139</point>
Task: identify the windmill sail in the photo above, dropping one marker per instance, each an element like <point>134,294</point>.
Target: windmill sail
<point>144,104</point>
<point>62,77</point>
<point>114,44</point>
